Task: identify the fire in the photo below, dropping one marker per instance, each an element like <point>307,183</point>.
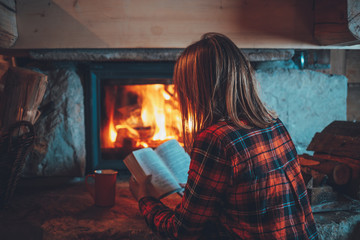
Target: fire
<point>140,116</point>
<point>113,133</point>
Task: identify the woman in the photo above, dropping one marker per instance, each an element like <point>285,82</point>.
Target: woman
<point>244,179</point>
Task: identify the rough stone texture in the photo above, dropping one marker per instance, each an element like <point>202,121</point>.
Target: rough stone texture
<point>306,101</point>
<point>353,9</point>
<point>58,208</point>
<point>137,54</point>
<point>338,225</point>
<point>143,54</point>
<point>60,146</point>
<point>256,55</point>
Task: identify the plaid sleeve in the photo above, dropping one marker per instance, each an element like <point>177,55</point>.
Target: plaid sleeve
<point>209,174</point>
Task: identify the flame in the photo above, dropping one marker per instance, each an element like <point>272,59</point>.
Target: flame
<point>147,114</point>
<point>112,132</point>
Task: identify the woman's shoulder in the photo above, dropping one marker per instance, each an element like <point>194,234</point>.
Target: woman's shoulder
<point>225,128</point>
<point>221,131</point>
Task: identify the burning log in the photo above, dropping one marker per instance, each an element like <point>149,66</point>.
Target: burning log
<point>137,116</point>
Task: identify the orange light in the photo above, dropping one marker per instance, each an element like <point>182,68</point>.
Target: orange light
<point>113,133</point>
<point>148,117</point>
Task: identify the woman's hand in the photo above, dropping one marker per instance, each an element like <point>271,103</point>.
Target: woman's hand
<point>140,189</point>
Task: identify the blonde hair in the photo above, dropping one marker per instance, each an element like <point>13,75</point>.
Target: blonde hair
<point>215,81</point>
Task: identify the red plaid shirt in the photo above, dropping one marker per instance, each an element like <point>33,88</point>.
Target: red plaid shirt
<point>242,184</point>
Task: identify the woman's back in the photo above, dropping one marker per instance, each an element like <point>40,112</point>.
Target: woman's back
<point>244,178</point>
<point>266,196</point>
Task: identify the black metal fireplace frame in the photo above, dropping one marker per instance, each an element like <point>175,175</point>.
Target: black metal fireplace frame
<point>124,73</point>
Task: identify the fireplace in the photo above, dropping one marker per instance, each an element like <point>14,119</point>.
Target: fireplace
<point>130,105</point>
<point>70,123</point>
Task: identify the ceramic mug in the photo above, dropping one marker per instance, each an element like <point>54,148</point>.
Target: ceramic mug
<point>104,188</point>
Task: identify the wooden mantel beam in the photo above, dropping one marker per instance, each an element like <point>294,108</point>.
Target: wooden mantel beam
<point>337,22</point>
<point>113,24</point>
<point>106,24</point>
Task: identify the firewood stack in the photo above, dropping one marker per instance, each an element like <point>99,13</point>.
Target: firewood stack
<point>22,94</point>
<point>336,158</point>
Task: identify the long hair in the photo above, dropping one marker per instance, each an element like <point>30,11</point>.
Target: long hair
<point>214,81</point>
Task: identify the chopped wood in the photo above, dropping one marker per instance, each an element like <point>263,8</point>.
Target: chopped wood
<point>340,138</point>
<point>308,162</point>
<point>344,128</point>
<point>338,173</point>
<point>23,92</point>
<point>337,155</point>
<point>354,164</point>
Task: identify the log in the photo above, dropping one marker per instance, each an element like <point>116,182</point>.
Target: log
<point>336,145</point>
<point>343,128</point>
<point>312,169</point>
<point>23,92</point>
<point>340,138</point>
<point>354,164</point>
<point>338,173</point>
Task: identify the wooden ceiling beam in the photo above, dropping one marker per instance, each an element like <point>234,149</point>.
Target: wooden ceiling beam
<point>337,22</point>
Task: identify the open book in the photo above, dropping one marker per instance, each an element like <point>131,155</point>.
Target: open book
<point>168,164</point>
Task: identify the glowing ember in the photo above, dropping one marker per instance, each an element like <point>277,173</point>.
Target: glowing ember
<point>140,116</point>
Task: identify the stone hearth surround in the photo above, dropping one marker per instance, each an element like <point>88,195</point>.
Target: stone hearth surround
<point>305,100</point>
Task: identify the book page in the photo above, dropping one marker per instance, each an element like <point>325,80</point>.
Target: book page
<point>162,179</point>
<point>175,158</point>
<point>134,167</point>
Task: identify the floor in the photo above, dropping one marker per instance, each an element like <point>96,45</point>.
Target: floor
<point>61,208</point>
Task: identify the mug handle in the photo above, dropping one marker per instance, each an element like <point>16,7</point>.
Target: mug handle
<point>90,190</point>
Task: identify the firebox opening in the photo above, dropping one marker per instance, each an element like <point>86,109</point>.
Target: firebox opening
<point>135,114</point>
<point>132,105</point>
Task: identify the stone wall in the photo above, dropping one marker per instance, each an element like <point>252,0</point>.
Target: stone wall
<point>305,100</point>
<point>60,145</point>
